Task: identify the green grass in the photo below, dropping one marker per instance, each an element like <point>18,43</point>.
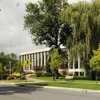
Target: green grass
<point>49,78</point>
<point>76,83</point>
<point>68,85</point>
<point>76,79</point>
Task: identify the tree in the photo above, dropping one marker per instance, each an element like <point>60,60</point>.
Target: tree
<point>6,58</point>
<point>95,61</point>
<point>55,62</point>
<point>18,67</point>
<point>85,19</point>
<point>13,58</point>
<point>1,69</point>
<point>42,21</point>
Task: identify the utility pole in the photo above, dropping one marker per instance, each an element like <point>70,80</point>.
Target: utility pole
<point>10,67</point>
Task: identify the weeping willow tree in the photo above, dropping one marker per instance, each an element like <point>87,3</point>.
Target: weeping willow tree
<point>84,17</point>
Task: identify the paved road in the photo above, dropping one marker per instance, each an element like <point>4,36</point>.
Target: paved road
<point>12,92</point>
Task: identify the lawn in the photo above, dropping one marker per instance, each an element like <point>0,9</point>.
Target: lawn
<point>76,83</point>
<point>76,79</point>
<point>68,85</point>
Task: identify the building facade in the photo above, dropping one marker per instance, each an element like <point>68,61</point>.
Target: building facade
<point>38,60</point>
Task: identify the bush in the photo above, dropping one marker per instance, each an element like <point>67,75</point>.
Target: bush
<point>17,76</point>
<point>11,77</point>
<point>8,78</point>
<point>38,74</point>
<point>81,78</point>
<point>70,74</point>
<point>47,74</point>
<point>5,76</point>
<point>7,71</point>
<point>64,72</point>
<point>22,77</point>
<point>29,72</point>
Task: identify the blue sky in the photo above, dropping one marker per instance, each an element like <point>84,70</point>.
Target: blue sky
<point>12,36</point>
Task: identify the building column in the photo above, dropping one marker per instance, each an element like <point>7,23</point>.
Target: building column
<point>68,60</point>
<point>38,58</point>
<point>44,58</point>
<point>30,61</point>
<point>73,65</point>
<point>73,62</point>
<point>84,73</point>
<point>41,59</point>
<point>35,59</point>
<point>79,73</point>
<point>79,64</point>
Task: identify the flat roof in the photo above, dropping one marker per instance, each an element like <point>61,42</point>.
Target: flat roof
<point>40,50</point>
<point>35,51</point>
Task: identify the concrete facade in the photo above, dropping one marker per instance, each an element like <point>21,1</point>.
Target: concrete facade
<point>38,59</point>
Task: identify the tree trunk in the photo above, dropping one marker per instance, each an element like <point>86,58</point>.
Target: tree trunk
<point>96,78</point>
<point>93,75</point>
<point>52,76</point>
<point>57,76</point>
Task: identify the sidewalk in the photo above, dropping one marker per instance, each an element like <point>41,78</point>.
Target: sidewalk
<point>36,80</point>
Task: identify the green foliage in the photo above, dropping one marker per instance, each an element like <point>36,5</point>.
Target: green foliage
<point>12,77</point>
<point>84,17</point>
<point>70,74</point>
<point>18,67</point>
<point>55,61</point>
<point>29,72</point>
<point>43,22</point>
<point>23,76</point>
<point>47,74</point>
<point>6,58</point>
<point>7,71</point>
<point>64,72</point>
<point>38,74</point>
<point>1,69</point>
<point>81,78</point>
<point>47,66</point>
<point>95,60</point>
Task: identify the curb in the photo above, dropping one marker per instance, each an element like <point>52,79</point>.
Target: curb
<point>67,89</point>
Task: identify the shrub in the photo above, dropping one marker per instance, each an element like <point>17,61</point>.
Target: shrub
<point>70,74</point>
<point>22,77</point>
<point>47,74</point>
<point>64,72</point>
<point>14,75</point>
<point>7,71</point>
<point>29,72</point>
<point>17,76</point>
<point>8,78</point>
<point>11,77</point>
<point>81,78</point>
<point>5,76</point>
<point>38,74</point>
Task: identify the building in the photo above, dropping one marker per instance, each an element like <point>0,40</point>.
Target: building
<point>38,60</point>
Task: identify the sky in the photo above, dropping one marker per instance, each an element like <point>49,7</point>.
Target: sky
<point>13,38</point>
